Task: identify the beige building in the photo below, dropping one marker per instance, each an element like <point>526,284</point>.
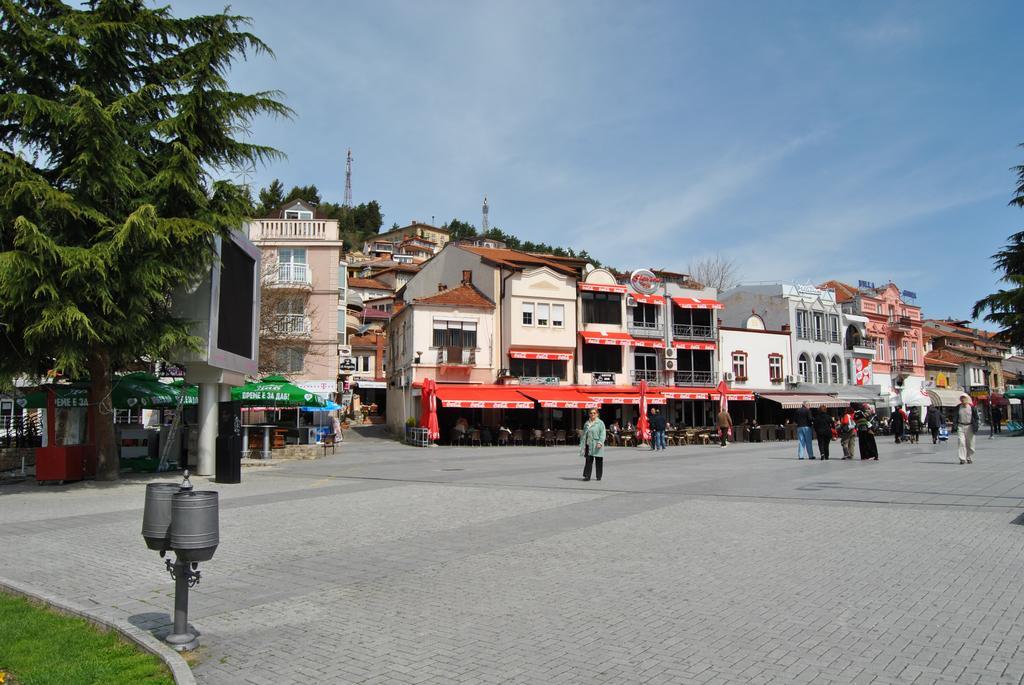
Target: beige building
<point>301,253</point>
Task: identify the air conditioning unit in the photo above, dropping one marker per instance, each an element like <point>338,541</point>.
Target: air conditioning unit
<point>670,353</point>
<point>671,364</point>
<point>792,380</point>
<point>630,301</point>
<point>728,376</point>
<point>401,381</point>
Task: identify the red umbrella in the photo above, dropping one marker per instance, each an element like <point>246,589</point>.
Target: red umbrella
<point>428,409</point>
<point>643,426</point>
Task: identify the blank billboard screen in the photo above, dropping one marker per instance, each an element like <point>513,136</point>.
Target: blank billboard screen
<point>235,318</point>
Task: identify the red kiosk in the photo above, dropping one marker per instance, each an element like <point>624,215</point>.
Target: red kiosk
<point>70,451</point>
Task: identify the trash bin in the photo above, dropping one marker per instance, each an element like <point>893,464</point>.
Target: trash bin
<point>228,460</point>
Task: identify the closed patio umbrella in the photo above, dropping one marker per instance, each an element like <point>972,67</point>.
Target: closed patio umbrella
<point>428,409</point>
<point>643,426</point>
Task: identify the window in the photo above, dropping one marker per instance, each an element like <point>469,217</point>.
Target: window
<point>819,369</point>
<point>291,316</point>
<point>543,316</point>
<point>879,348</point>
<point>291,359</point>
<point>819,326</point>
<point>537,368</point>
<point>834,371</point>
<point>892,352</point>
<point>297,214</point>
<point>527,313</point>
<point>122,416</point>
<point>645,316</point>
<point>803,368</point>
<point>833,328</point>
<point>775,368</point>
<point>802,328</point>
<point>602,358</point>
<point>602,308</point>
<point>291,255</point>
<point>739,365</point>
<point>558,315</point>
<point>454,334</point>
<point>878,309</point>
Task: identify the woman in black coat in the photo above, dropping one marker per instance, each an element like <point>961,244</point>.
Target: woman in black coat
<point>934,423</point>
<point>915,424</point>
<point>823,424</point>
<point>897,424</point>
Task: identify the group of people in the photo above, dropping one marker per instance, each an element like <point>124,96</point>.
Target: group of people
<point>857,426</point>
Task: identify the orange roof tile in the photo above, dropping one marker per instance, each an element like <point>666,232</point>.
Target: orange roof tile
<point>936,359</point>
<point>844,291</point>
<point>516,259</point>
<point>465,295</point>
<point>368,283</point>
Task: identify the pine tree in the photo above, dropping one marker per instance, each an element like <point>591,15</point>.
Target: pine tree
<point>117,129</point>
<point>1006,306</point>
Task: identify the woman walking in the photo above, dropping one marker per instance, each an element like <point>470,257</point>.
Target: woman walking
<point>592,445</point>
<point>823,430</point>
<point>934,421</point>
<point>915,424</point>
<point>866,433</point>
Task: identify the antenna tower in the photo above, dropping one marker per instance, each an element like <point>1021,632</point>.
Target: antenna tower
<point>348,179</point>
<point>485,224</point>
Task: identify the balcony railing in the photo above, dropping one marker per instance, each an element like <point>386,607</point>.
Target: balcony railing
<point>685,330</point>
<point>293,273</point>
<point>900,323</point>
<point>292,324</point>
<point>644,329</point>
<point>293,229</point>
<point>862,350</point>
<point>457,356</point>
<point>652,376</point>
<point>696,378</point>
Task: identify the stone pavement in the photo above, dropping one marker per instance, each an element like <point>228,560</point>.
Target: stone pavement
<point>391,564</point>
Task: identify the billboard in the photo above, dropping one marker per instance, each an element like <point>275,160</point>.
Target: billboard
<point>862,373</point>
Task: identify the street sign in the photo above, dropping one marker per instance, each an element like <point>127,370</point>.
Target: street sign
<point>347,365</point>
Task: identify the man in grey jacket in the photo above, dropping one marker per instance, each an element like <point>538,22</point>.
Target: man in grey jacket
<point>965,423</point>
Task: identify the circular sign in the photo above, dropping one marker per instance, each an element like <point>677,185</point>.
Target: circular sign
<point>644,281</point>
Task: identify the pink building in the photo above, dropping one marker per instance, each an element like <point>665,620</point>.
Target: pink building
<point>301,253</point>
<point>894,330</point>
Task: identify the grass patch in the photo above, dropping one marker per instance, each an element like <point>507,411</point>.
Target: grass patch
<point>39,646</point>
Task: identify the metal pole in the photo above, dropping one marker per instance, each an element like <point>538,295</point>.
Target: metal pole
<point>180,598</point>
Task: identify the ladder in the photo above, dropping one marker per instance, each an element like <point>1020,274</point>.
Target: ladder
<point>165,462</point>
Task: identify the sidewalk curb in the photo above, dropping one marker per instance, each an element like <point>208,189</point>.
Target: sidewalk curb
<point>180,670</point>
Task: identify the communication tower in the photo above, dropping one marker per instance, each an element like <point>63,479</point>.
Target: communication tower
<point>485,224</point>
<point>348,180</point>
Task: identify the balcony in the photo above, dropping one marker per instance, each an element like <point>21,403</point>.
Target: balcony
<point>456,356</point>
<point>644,329</point>
<point>294,274</point>
<point>902,365</point>
<point>900,324</point>
<point>861,350</point>
<point>697,378</point>
<point>652,376</point>
<point>691,332</point>
<point>293,229</point>
<point>292,325</point>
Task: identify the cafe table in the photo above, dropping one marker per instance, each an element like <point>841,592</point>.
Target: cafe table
<point>265,454</point>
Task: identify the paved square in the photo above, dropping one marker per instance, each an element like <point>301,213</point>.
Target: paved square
<point>390,564</point>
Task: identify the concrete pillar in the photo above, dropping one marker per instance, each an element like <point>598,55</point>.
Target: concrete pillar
<point>223,392</point>
<point>208,394</point>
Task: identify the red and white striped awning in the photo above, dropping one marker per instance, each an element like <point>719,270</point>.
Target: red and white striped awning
<point>616,338</point>
<point>618,398</point>
<point>693,345</point>
<point>540,354</point>
<point>740,395</point>
<point>648,299</point>
<point>694,303</point>
<point>482,397</point>
<point>603,288</point>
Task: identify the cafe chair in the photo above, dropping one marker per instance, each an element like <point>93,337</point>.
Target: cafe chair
<point>474,438</point>
<point>517,436</point>
<point>560,437</point>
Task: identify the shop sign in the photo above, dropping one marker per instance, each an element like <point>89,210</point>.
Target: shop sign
<point>644,281</point>
<point>538,380</point>
<point>862,372</point>
<point>372,385</point>
<point>867,285</point>
<point>602,378</point>
<point>347,365</point>
<point>941,381</point>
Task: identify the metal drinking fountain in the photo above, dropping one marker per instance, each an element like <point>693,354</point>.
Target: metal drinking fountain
<point>185,521</point>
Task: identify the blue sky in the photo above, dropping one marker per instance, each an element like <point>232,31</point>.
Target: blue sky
<point>805,140</point>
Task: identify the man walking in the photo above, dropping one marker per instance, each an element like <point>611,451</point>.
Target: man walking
<point>966,422</point>
<point>658,423</point>
<point>934,422</point>
<point>996,415</point>
<point>848,432</point>
<point>724,425</point>
<point>898,422</point>
<point>804,432</point>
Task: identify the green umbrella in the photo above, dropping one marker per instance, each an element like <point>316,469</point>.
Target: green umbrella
<point>131,391</point>
<point>1015,393</point>
<point>276,391</point>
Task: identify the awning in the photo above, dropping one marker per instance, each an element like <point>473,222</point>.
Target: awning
<point>678,393</point>
<point>1016,392</point>
<point>794,401</point>
<point>860,395</point>
<point>482,397</point>
<point>692,345</point>
<point>998,400</point>
<point>944,397</point>
<point>648,299</point>
<point>560,398</point>
<point>540,354</point>
<point>624,339</point>
<point>603,288</point>
<point>739,396</point>
<point>694,303</point>
<point>618,397</point>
